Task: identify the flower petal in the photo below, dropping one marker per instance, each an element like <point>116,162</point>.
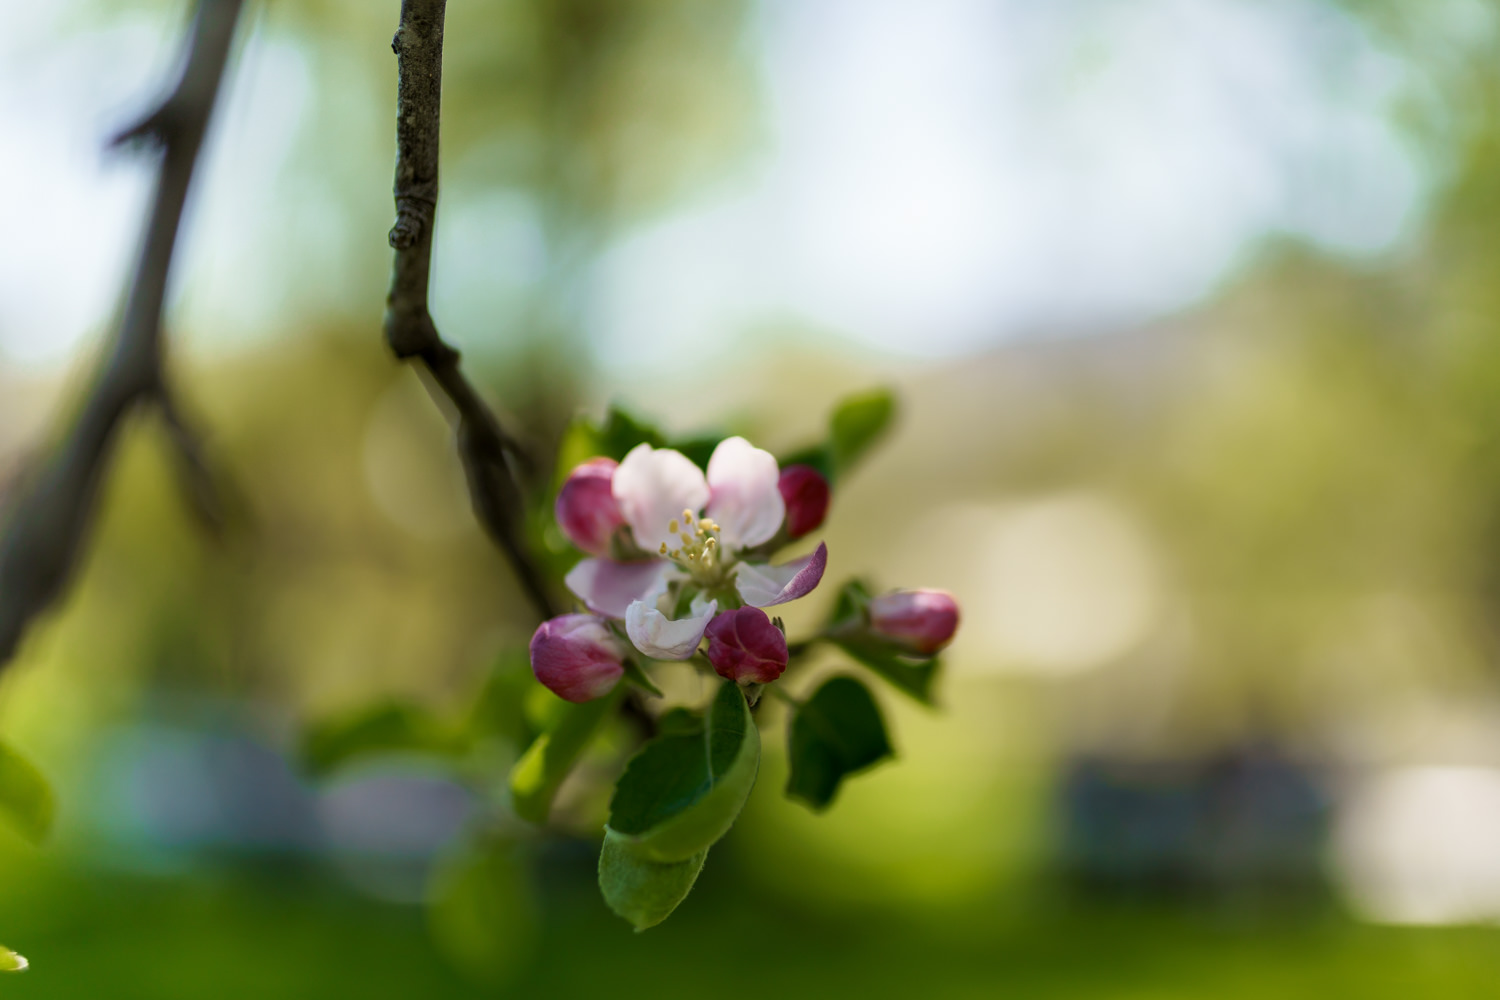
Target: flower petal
<point>609,587</point>
<point>745,498</point>
<point>765,586</point>
<point>661,638</point>
<point>653,486</point>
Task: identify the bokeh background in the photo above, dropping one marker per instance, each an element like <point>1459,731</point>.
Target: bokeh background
<point>1193,308</point>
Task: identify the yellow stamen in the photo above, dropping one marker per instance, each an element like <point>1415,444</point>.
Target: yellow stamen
<point>663,548</point>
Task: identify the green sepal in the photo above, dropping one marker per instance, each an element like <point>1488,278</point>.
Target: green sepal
<point>391,727</point>
<point>536,777</point>
<point>683,791</point>
<point>914,675</point>
<point>834,734</point>
<point>26,798</point>
<point>11,962</point>
<point>643,891</point>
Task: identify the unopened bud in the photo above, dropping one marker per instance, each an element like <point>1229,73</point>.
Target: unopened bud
<point>577,657</point>
<point>805,492</point>
<point>743,645</point>
<point>921,620</point>
<point>586,509</point>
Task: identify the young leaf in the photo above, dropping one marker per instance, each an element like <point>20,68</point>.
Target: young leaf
<point>682,792</point>
<point>643,891</point>
<point>636,674</point>
<point>622,432</point>
<point>698,449</point>
<point>389,728</point>
<point>819,457</point>
<point>837,732</point>
<point>535,778</point>
<point>580,442</point>
<point>26,798</point>
<point>11,962</point>
<point>912,674</point>
<point>857,423</point>
<point>849,607</point>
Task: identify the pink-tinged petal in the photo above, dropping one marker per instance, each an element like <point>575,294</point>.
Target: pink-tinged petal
<point>805,492</point>
<point>608,587</point>
<point>653,486</point>
<point>577,657</point>
<point>586,509</point>
<point>766,586</point>
<point>662,638</point>
<point>921,620</point>
<point>743,645</point>
<point>745,500</point>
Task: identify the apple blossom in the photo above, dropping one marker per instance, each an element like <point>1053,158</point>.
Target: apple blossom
<point>805,493</point>
<point>698,529</point>
<point>921,620</point>
<point>744,645</point>
<point>577,657</point>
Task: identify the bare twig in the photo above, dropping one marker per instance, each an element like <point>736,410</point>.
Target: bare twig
<point>489,455</point>
<point>52,511</point>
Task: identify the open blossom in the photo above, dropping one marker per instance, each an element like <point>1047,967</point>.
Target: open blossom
<point>586,509</point>
<point>697,528</point>
<point>577,657</point>
<point>743,645</point>
<point>805,493</point>
<point>921,620</point>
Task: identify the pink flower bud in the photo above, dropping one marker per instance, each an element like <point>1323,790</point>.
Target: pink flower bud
<point>806,494</point>
<point>743,645</point>
<point>586,509</point>
<point>921,620</point>
<point>577,657</point>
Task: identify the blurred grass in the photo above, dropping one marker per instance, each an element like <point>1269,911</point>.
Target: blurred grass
<point>291,934</point>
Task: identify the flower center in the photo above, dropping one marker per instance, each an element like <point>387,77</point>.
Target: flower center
<point>700,553</point>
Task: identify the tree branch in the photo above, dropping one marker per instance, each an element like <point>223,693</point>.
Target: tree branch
<point>490,456</point>
<point>46,527</point>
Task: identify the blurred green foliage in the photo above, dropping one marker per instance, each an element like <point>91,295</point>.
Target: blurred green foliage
<point>1314,454</point>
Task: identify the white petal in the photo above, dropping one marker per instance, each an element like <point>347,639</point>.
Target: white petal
<point>766,586</point>
<point>661,638</point>
<point>745,499</point>
<point>653,486</point>
<point>609,587</point>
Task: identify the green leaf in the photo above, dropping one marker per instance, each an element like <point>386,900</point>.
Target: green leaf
<point>683,791</point>
<point>643,891</point>
<point>499,708</point>
<point>636,674</point>
<point>393,727</point>
<point>539,773</point>
<point>579,443</point>
<point>680,721</point>
<point>911,674</point>
<point>26,799</point>
<point>849,606</point>
<point>819,457</point>
<point>857,423</point>
<point>11,962</point>
<point>835,733</point>
<point>480,908</point>
<point>622,432</point>
<point>698,449</point>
